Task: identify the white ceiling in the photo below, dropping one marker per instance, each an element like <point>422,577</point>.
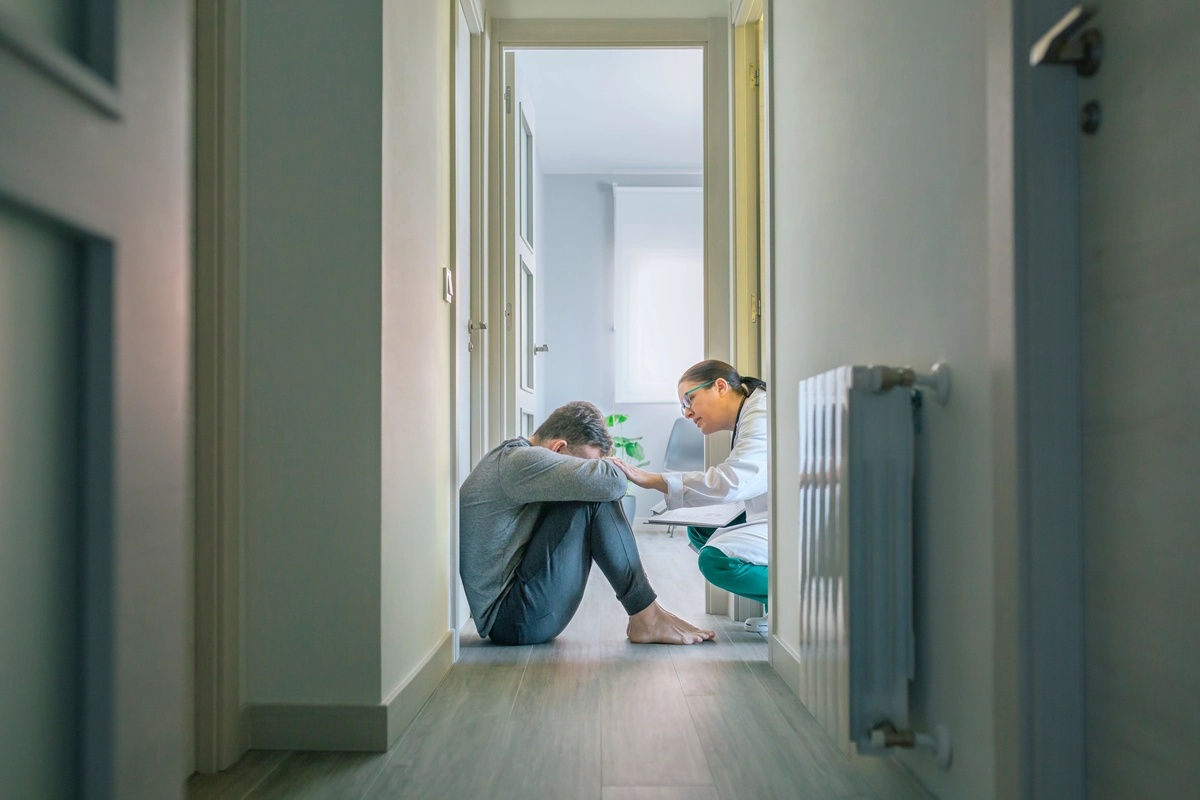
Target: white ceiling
<point>607,9</point>
<point>613,111</point>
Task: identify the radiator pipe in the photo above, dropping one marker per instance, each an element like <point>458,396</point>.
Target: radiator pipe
<point>886,735</point>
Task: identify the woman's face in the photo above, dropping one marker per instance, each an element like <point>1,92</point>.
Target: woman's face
<point>706,405</point>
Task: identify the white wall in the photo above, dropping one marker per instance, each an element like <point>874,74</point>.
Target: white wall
<point>576,262</point>
<point>880,224</point>
<point>348,438</point>
<point>609,9</point>
<point>312,332</point>
<point>418,438</point>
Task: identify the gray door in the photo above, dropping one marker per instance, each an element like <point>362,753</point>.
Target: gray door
<point>94,360</point>
<point>1140,247</point>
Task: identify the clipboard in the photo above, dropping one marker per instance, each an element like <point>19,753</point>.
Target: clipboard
<point>717,516</point>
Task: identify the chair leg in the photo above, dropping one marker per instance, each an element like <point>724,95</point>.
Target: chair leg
<point>671,531</point>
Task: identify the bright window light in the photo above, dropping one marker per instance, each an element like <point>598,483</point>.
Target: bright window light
<point>658,242</point>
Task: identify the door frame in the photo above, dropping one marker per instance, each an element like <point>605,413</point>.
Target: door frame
<point>712,35</point>
<point>221,725</point>
<point>475,432</point>
<point>1036,340</point>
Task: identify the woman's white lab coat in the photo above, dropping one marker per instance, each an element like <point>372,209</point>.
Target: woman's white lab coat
<point>741,476</point>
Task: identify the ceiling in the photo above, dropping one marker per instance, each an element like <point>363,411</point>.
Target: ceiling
<point>608,9</point>
<point>616,111</point>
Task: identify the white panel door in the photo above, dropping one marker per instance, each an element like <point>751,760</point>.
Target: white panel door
<point>95,360</point>
<point>520,266</point>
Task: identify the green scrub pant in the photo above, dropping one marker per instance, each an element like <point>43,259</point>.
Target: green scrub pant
<point>732,574</point>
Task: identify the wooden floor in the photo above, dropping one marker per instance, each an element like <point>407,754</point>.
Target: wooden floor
<point>592,716</point>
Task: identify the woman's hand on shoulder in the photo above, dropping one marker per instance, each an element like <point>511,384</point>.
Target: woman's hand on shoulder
<point>640,477</point>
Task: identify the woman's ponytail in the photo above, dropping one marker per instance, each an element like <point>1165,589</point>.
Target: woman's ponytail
<point>712,369</point>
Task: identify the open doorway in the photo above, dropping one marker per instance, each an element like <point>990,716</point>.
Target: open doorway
<point>509,408</point>
<point>611,279</point>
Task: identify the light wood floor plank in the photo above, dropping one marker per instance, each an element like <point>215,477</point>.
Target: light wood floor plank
<point>239,780</point>
<point>884,777</point>
<point>648,735</point>
<point>317,776</point>
<point>660,793</point>
<point>714,676</point>
<point>550,690</point>
<point>453,747</point>
<point>551,757</point>
<point>448,764</point>
<point>769,760</point>
<point>594,716</point>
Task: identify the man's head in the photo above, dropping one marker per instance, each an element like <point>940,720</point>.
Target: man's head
<point>576,429</point>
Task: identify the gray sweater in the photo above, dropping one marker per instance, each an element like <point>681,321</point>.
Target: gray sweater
<point>499,504</point>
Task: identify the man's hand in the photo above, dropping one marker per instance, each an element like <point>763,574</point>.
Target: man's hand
<point>640,477</point>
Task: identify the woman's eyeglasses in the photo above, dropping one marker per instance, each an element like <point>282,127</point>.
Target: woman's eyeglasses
<point>685,402</point>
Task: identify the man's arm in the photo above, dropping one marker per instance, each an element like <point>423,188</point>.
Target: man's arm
<point>538,475</point>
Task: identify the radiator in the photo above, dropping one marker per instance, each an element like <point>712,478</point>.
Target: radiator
<point>856,577</point>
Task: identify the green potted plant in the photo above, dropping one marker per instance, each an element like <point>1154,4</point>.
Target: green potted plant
<point>629,450</point>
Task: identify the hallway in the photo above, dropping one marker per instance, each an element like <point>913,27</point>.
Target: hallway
<point>592,716</point>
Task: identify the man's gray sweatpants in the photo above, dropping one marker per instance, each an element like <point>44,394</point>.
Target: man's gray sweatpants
<point>554,570</point>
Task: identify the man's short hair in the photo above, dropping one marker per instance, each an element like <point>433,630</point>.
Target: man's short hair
<point>578,422</point>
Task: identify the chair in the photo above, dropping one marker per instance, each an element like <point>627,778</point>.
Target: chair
<point>685,448</point>
<point>685,451</point>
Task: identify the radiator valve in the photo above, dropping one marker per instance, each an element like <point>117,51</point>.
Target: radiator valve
<point>885,735</point>
<point>881,379</point>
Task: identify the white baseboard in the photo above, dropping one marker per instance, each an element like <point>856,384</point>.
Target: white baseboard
<point>345,728</point>
<point>350,728</point>
<point>411,695</point>
<point>785,662</point>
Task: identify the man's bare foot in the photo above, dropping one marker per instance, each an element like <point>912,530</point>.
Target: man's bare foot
<point>654,624</point>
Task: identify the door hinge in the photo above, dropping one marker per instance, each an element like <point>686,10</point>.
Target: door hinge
<point>754,75</point>
<point>755,307</point>
<point>507,99</point>
<point>508,316</point>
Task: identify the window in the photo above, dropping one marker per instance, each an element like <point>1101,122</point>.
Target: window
<point>658,247</point>
<point>527,321</point>
<point>526,181</point>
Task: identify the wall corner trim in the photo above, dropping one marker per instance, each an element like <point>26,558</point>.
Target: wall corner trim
<point>351,728</point>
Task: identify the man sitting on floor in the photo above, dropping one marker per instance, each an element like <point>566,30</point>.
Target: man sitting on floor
<point>534,514</point>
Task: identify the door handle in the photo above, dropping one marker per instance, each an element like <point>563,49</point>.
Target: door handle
<point>1062,45</point>
<point>541,348</point>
